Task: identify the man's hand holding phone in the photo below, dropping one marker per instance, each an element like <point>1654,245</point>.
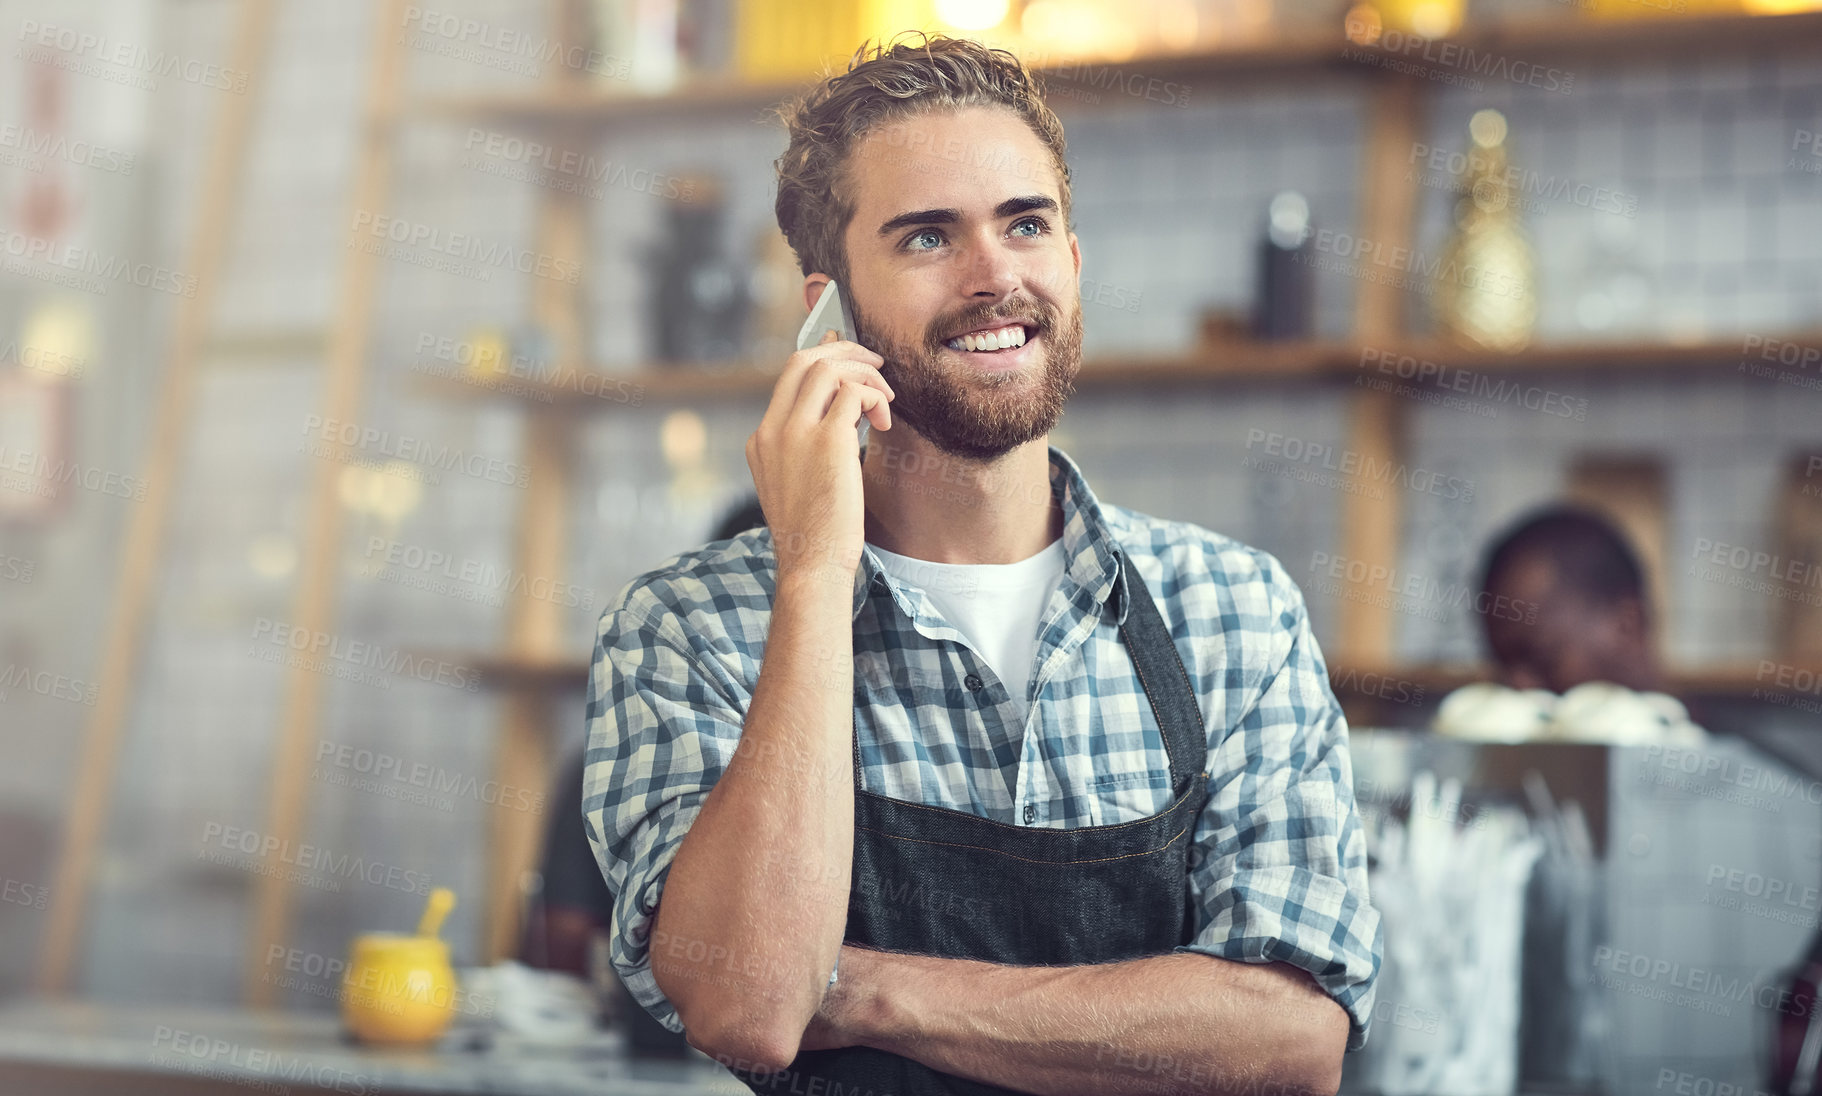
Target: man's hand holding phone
<point>805,456</point>
<point>788,791</point>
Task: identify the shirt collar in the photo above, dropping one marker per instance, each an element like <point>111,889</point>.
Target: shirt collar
<point>1092,555</point>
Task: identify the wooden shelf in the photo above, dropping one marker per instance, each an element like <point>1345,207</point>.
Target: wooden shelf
<point>1350,680</point>
<point>1617,357</point>
<point>1438,679</point>
<point>1347,359</point>
<point>601,106</point>
<point>721,98</point>
<point>1296,55</point>
<point>1213,364</point>
<point>604,391</point>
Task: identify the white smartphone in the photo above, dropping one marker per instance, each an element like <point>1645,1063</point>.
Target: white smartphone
<point>830,311</point>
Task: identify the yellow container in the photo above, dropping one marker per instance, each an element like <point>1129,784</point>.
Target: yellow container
<point>398,989</point>
<point>795,39</point>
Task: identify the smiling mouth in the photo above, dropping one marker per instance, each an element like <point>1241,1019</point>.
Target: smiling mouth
<point>1000,340</point>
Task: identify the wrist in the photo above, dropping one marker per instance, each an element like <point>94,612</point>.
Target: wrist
<point>817,578</point>
<point>880,998</point>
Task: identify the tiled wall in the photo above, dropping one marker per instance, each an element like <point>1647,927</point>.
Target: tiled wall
<point>1168,203</point>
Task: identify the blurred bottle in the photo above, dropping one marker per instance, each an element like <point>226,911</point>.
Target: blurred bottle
<point>1486,281</point>
<point>1283,298</point>
<point>701,297</point>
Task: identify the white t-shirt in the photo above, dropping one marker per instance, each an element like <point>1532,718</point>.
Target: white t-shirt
<point>997,606</point>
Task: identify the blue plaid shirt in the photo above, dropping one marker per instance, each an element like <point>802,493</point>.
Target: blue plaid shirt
<point>1278,868</point>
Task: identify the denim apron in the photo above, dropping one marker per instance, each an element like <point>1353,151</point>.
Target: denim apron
<point>934,881</point>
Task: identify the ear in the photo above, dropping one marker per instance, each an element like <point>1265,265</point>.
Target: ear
<point>1075,249</point>
<point>812,290</point>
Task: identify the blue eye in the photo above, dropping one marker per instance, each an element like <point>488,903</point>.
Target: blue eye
<point>1042,226</point>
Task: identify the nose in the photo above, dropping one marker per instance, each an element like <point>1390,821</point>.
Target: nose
<point>992,270</point>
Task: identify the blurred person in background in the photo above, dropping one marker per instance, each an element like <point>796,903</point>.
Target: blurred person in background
<point>1586,616</point>
<point>1565,615</point>
<point>1567,620</point>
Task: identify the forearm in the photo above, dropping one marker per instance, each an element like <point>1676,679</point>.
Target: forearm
<point>1176,1023</point>
<point>755,906</point>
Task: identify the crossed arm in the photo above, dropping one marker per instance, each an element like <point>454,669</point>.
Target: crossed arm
<point>1185,1022</point>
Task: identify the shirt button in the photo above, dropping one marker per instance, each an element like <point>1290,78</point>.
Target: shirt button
<point>1031,812</point>
<point>974,683</point>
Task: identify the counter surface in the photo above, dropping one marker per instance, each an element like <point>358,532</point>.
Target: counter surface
<point>301,1051</point>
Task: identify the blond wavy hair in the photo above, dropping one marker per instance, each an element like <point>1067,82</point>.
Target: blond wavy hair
<point>899,81</point>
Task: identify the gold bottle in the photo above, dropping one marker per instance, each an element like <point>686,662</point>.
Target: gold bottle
<point>1486,281</point>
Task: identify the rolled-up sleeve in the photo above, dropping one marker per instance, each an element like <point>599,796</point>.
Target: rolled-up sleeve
<point>1279,869</point>
<point>662,726</point>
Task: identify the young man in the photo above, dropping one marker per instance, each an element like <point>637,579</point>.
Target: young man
<point>955,779</point>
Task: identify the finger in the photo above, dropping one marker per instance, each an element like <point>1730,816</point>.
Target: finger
<point>831,335</point>
<point>791,379</point>
<point>866,373</point>
<point>788,392</point>
<point>874,406</point>
<point>870,402</point>
<point>819,387</point>
<point>880,414</point>
<point>852,401</point>
<point>814,396</point>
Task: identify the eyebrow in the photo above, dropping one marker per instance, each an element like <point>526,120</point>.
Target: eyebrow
<point>1007,208</point>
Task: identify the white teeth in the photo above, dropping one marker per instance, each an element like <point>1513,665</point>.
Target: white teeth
<point>1004,338</point>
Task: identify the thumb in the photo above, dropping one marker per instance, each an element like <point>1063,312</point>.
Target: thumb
<point>831,335</point>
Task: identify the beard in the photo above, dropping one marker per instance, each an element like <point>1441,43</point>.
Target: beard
<point>973,415</point>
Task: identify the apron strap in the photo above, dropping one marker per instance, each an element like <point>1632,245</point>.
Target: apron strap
<point>1167,685</point>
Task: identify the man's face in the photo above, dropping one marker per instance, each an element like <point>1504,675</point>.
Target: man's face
<point>958,228</point>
